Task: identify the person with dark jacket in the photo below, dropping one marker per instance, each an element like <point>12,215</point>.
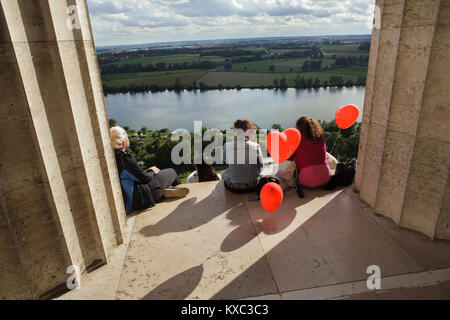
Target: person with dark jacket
<point>142,189</point>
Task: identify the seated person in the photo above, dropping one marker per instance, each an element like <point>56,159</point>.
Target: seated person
<point>244,159</point>
<point>204,173</point>
<point>311,156</point>
<point>159,183</point>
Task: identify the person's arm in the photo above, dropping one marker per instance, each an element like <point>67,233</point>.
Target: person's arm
<point>154,169</point>
<point>133,167</point>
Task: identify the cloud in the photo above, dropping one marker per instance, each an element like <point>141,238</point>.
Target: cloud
<point>138,21</point>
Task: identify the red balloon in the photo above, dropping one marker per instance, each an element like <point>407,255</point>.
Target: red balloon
<point>346,116</point>
<point>271,196</point>
<point>289,141</point>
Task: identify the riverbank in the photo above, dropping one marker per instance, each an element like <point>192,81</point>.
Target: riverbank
<point>140,88</point>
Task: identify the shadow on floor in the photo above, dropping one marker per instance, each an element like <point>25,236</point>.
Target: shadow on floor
<point>336,245</point>
<point>192,213</point>
<point>178,287</point>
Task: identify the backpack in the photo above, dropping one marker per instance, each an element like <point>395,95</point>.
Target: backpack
<point>262,181</point>
<point>142,197</point>
<point>344,176</point>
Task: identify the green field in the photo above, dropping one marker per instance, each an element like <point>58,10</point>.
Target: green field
<point>281,65</point>
<point>344,50</point>
<point>243,74</point>
<point>166,59</point>
<point>162,78</point>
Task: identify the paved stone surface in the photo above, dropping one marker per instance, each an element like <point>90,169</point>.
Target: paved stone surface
<point>218,245</point>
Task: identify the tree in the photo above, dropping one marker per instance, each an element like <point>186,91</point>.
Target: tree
<point>144,130</point>
<point>283,83</point>
<point>112,123</point>
<point>278,127</point>
<point>228,66</point>
<point>177,86</point>
<point>365,46</point>
<point>317,83</point>
<point>306,66</point>
<point>276,83</point>
<point>272,68</point>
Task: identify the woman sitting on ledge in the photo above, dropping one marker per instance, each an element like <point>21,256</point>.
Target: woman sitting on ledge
<point>244,159</point>
<point>142,189</point>
<point>311,156</point>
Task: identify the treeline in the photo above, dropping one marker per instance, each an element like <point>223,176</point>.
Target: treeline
<point>114,56</point>
<point>348,144</point>
<point>365,46</point>
<point>281,84</point>
<point>159,66</point>
<point>351,61</point>
<point>154,148</point>
<point>227,53</point>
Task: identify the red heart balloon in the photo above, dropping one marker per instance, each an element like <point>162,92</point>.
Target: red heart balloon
<point>271,196</point>
<point>282,146</point>
<point>346,116</point>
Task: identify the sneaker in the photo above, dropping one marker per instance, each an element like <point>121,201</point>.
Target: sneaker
<point>176,192</point>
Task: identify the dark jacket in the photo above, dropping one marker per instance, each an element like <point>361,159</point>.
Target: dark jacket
<point>137,184</point>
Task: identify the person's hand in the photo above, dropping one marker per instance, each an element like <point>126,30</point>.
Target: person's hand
<point>155,170</point>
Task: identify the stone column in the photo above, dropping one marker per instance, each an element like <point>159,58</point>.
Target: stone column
<point>405,147</point>
<point>60,195</point>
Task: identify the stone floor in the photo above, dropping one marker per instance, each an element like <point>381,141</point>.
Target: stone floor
<point>218,245</point>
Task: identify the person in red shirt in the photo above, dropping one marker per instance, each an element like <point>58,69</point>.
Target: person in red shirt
<point>311,156</point>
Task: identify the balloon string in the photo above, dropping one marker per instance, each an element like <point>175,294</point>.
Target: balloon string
<point>335,143</point>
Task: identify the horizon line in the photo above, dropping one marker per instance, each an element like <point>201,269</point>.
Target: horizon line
<point>225,39</point>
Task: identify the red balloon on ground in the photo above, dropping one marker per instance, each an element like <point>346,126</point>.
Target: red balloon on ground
<point>346,116</point>
<point>289,141</point>
<point>271,196</point>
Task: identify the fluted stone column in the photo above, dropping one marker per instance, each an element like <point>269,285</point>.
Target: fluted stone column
<point>60,195</point>
<point>404,158</point>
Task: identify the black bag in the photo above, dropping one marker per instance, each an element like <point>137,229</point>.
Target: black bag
<point>262,181</point>
<point>344,176</point>
<point>142,197</point>
<point>346,171</point>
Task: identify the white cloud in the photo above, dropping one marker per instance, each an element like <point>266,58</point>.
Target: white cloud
<point>138,21</point>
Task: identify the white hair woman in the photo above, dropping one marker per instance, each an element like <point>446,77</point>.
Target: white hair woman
<point>142,189</point>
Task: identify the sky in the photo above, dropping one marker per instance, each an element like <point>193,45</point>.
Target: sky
<point>117,22</point>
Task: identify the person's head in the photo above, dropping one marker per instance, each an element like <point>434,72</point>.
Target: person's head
<point>310,128</point>
<point>119,138</point>
<point>206,173</point>
<point>247,126</point>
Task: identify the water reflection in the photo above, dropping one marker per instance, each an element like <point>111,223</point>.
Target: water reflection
<point>219,109</point>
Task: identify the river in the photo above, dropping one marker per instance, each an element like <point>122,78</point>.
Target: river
<point>219,109</point>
